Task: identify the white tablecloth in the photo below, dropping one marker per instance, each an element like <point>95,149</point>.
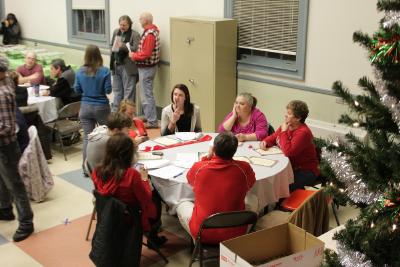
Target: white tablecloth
<point>47,106</point>
<point>271,185</point>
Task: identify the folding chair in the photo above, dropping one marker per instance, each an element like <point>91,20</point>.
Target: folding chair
<point>221,220</point>
<point>66,123</point>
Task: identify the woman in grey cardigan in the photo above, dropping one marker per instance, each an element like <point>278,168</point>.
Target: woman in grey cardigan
<point>181,115</point>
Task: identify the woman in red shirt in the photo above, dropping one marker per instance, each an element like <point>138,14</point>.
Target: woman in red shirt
<point>296,141</point>
<point>115,177</point>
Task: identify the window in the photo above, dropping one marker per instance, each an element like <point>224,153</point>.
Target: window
<point>271,35</point>
<point>88,21</point>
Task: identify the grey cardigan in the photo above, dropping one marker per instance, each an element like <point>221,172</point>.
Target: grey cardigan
<point>166,117</point>
<point>129,65</point>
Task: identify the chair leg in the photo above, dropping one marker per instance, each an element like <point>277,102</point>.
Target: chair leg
<point>61,145</point>
<point>194,253</point>
<point>92,218</point>
<point>335,213</point>
<point>200,255</point>
<point>156,249</point>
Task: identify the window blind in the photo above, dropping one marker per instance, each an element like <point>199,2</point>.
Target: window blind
<point>88,4</point>
<point>267,25</point>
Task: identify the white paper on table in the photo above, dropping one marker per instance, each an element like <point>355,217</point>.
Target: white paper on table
<point>154,163</point>
<point>186,160</point>
<point>187,136</point>
<point>270,151</point>
<point>147,156</point>
<point>166,141</point>
<point>262,161</point>
<point>168,172</point>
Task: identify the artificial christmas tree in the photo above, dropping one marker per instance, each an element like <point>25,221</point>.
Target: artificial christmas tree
<point>367,173</point>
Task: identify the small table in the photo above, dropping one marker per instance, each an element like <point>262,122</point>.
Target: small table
<point>47,106</point>
<point>272,183</point>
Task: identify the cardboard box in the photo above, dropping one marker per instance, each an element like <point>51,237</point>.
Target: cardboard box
<point>286,245</point>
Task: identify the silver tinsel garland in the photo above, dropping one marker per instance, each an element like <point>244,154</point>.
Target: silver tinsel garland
<point>391,18</point>
<point>389,101</point>
<point>351,258</point>
<point>356,189</point>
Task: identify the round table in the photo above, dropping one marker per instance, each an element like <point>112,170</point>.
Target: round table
<point>272,183</point>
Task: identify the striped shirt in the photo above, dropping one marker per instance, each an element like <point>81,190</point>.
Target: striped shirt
<point>7,112</point>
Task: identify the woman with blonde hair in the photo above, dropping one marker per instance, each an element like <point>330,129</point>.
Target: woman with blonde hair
<point>93,81</point>
<point>138,131</point>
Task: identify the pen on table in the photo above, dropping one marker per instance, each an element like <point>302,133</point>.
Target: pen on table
<point>179,174</point>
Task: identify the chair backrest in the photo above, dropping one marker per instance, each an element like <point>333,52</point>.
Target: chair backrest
<point>70,110</point>
<point>229,219</point>
<point>117,240</point>
<point>271,129</point>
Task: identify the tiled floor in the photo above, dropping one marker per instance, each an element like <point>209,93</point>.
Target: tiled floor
<point>61,223</point>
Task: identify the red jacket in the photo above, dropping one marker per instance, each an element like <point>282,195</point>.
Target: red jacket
<point>130,190</point>
<point>139,124</point>
<point>219,185</point>
<point>298,146</point>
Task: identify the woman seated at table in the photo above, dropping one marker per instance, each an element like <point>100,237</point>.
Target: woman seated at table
<point>10,30</point>
<point>245,121</point>
<point>115,177</point>
<point>138,131</point>
<point>64,84</point>
<point>296,141</point>
<point>181,115</point>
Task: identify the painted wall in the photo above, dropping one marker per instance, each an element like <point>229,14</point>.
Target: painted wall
<point>331,53</point>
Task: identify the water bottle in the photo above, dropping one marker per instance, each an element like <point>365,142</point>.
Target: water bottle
<point>36,88</point>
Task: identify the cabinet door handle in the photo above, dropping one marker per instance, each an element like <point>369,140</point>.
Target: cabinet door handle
<point>189,40</point>
<point>191,81</point>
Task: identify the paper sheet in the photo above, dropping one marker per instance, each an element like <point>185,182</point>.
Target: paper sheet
<point>186,136</point>
<point>186,160</point>
<point>116,44</point>
<point>166,141</point>
<point>128,45</point>
<point>168,172</point>
<point>270,151</point>
<point>262,161</point>
<point>147,156</point>
<point>154,163</point>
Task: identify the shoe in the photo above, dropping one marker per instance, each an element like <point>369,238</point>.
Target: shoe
<point>151,126</point>
<point>22,234</point>
<point>7,215</point>
<point>157,241</point>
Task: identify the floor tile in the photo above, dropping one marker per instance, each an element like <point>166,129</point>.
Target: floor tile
<point>77,178</point>
<point>3,240</point>
<point>11,255</point>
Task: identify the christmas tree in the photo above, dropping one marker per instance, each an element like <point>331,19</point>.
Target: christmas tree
<point>366,173</point>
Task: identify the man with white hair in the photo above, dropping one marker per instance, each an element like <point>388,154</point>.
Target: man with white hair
<point>31,72</point>
<point>11,185</point>
<point>147,58</point>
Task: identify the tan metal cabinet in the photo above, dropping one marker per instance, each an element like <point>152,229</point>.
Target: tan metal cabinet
<point>203,57</point>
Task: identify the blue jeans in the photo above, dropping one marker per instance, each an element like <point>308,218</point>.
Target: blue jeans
<point>124,86</point>
<point>11,185</point>
<point>146,79</point>
<point>301,179</point>
<point>90,115</point>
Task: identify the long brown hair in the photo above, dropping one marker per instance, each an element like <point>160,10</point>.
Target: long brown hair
<point>93,59</point>
<point>118,157</point>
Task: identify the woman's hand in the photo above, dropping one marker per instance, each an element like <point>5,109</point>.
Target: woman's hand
<point>143,174</point>
<point>234,111</point>
<point>263,145</point>
<point>241,137</point>
<point>176,115</point>
<point>284,126</point>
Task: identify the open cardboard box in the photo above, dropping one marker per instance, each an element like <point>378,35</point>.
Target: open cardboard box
<point>286,245</point>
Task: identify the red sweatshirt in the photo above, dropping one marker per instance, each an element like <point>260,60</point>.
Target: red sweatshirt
<point>130,190</point>
<point>298,146</point>
<point>219,185</point>
<point>147,47</point>
<point>139,124</point>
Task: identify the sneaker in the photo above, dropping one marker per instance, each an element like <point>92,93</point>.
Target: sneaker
<point>7,215</point>
<point>151,126</point>
<point>22,233</point>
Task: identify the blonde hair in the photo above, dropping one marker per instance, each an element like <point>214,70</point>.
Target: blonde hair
<point>123,105</point>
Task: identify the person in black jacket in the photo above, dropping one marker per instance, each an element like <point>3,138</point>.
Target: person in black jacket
<point>63,86</point>
<point>10,30</point>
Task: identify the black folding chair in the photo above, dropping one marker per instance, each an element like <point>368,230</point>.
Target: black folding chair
<point>221,220</point>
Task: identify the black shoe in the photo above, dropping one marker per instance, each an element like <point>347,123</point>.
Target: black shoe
<point>22,234</point>
<point>7,215</point>
<point>156,241</point>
